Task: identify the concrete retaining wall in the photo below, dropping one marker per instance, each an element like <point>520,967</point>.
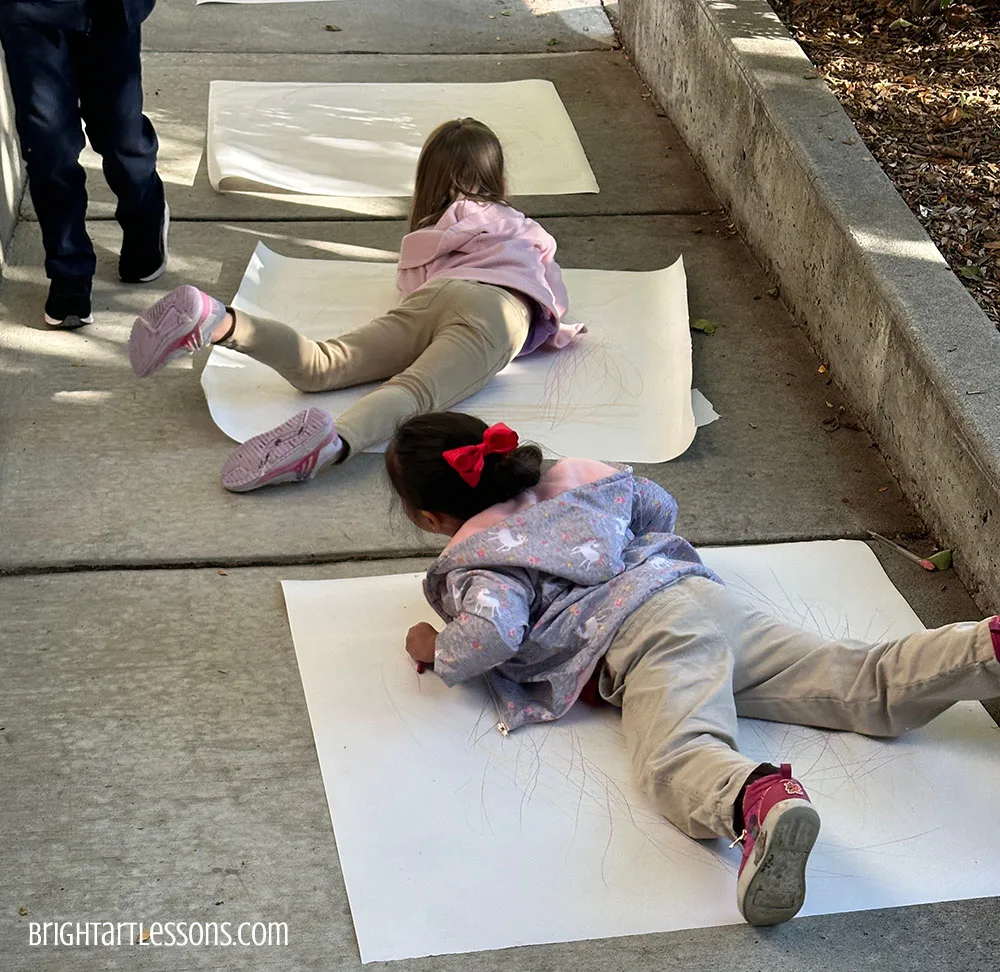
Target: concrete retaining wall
<point>912,350</point>
<point>11,170</point>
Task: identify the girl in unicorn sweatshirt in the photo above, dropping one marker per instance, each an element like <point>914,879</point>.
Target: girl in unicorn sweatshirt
<point>551,582</point>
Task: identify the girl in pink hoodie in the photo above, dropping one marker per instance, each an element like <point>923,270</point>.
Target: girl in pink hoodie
<point>479,286</point>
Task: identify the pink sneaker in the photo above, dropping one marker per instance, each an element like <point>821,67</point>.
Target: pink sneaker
<point>176,325</point>
<point>781,827</point>
<point>290,453</point>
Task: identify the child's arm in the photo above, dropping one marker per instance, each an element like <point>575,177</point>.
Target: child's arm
<point>489,626</point>
<point>654,510</point>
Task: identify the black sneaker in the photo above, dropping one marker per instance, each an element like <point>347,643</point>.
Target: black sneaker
<point>68,305</point>
<point>144,251</point>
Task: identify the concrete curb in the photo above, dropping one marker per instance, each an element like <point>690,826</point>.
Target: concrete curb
<point>902,336</point>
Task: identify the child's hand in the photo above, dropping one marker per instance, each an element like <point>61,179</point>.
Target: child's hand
<point>420,642</point>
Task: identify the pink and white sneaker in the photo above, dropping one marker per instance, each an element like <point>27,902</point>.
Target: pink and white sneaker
<point>781,826</point>
<point>175,325</point>
<point>290,453</point>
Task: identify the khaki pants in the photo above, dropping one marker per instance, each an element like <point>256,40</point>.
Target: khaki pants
<point>444,342</point>
<point>695,656</point>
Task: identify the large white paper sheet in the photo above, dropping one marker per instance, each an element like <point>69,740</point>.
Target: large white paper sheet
<point>453,838</point>
<point>621,392</point>
<point>364,139</point>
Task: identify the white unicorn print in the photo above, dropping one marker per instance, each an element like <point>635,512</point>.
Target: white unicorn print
<point>589,554</point>
<point>506,540</point>
<point>487,602</point>
<point>621,526</point>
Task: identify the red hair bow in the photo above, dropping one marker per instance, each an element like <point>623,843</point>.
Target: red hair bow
<point>468,460</point>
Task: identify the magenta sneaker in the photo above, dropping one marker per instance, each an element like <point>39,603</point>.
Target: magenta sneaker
<point>176,325</point>
<point>290,453</point>
<point>781,827</point>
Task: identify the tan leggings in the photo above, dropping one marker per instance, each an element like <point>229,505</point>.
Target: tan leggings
<point>442,343</point>
<point>695,656</point>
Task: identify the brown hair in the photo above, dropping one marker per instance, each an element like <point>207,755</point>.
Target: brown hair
<point>423,480</point>
<point>462,157</point>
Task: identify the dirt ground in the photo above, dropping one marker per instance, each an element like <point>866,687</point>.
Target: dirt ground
<point>924,92</point>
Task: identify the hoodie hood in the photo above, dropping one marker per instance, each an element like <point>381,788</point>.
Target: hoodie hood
<point>489,243</point>
<point>467,226</point>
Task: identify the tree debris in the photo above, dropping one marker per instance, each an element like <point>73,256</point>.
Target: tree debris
<point>704,325</point>
<point>920,80</point>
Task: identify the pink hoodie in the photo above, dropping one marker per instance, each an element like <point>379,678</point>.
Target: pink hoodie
<point>492,244</point>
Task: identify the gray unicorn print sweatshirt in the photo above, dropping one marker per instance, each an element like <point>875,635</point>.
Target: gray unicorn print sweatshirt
<point>533,590</point>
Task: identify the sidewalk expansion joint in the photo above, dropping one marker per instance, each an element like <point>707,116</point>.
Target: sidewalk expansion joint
<point>235,563</point>
<point>376,218</point>
<point>314,560</point>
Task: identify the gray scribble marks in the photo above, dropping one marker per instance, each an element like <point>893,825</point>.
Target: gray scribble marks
<point>590,363</point>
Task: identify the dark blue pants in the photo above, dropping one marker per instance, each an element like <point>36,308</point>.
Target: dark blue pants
<point>60,80</point>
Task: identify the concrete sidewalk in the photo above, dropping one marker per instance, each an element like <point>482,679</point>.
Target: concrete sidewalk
<point>157,756</point>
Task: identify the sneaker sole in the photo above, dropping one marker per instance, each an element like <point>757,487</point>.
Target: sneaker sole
<point>772,890</point>
<point>171,328</point>
<point>63,325</point>
<point>288,453</point>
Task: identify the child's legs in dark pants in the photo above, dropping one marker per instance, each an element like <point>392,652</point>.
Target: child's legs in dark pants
<point>110,80</point>
<point>44,84</point>
<point>785,674</point>
<point>670,670</point>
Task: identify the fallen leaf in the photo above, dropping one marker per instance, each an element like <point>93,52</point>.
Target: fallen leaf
<point>752,426</point>
<point>882,489</point>
<point>773,292</point>
<point>332,27</point>
<point>552,41</point>
<point>704,325</point>
<point>829,404</point>
<point>821,370</point>
<point>22,911</point>
<point>223,573</point>
<point>504,13</point>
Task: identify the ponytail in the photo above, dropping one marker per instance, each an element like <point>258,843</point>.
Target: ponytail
<point>425,480</point>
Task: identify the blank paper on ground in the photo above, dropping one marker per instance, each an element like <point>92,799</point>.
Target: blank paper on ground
<point>364,139</point>
<point>621,392</point>
<point>453,838</point>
